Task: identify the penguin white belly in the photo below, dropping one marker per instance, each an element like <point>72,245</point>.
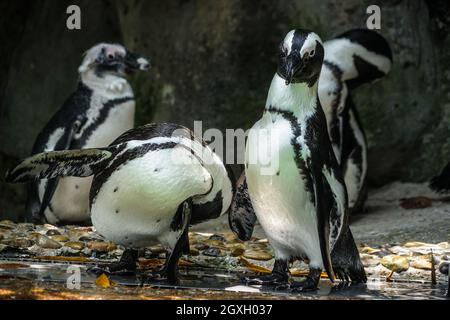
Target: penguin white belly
<point>135,206</point>
<point>70,201</point>
<point>282,201</point>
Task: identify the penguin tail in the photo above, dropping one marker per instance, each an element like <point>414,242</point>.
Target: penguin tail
<point>345,259</point>
<point>441,183</point>
<point>53,164</point>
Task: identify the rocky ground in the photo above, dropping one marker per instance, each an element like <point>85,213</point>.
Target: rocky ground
<point>396,245</point>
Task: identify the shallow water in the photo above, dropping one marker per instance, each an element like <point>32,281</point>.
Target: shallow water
<point>46,280</point>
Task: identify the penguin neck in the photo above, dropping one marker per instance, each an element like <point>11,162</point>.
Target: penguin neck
<point>297,98</point>
<point>109,85</point>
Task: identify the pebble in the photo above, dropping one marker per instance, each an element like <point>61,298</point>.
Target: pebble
<point>369,260</point>
<point>369,250</point>
<point>217,238</point>
<point>257,255</point>
<point>60,238</point>
<point>53,232</point>
<point>21,243</point>
<point>47,243</point>
<point>102,246</point>
<point>395,263</point>
<point>421,263</point>
<point>213,252</point>
<point>236,252</point>
<point>443,268</point>
<point>75,245</point>
<point>157,249</point>
<point>201,246</point>
<point>400,251</point>
<point>194,252</point>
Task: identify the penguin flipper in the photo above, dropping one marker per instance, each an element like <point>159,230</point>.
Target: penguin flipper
<point>53,164</point>
<point>33,204</point>
<point>242,217</point>
<point>345,258</point>
<point>441,183</point>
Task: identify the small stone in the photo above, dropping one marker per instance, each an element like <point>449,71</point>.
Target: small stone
<point>257,255</point>
<point>369,260</point>
<point>47,243</point>
<point>217,238</point>
<point>201,246</point>
<point>102,246</point>
<point>369,250</point>
<point>395,263</point>
<point>415,244</point>
<point>75,245</point>
<point>213,252</point>
<point>236,252</point>
<point>60,238</point>
<point>400,251</point>
<point>421,263</point>
<point>157,249</point>
<point>194,252</point>
<point>444,267</point>
<point>53,232</point>
<point>214,243</point>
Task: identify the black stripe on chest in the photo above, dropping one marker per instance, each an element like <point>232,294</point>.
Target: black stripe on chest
<point>101,118</point>
<point>299,161</point>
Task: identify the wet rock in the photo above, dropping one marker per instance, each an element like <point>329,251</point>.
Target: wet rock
<point>214,252</point>
<point>369,260</point>
<point>257,255</point>
<point>214,243</point>
<point>421,263</point>
<point>20,242</point>
<point>395,263</point>
<point>201,246</point>
<point>369,250</point>
<point>74,245</point>
<point>102,246</point>
<point>400,251</point>
<point>415,244</point>
<point>60,238</point>
<point>444,267</point>
<point>53,232</point>
<point>236,252</point>
<point>378,271</point>
<point>157,249</point>
<point>217,238</point>
<point>194,252</point>
<point>47,243</point>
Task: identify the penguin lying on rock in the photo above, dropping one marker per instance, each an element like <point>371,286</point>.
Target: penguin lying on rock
<point>148,186</point>
<point>101,108</point>
<point>292,176</point>
<point>351,59</point>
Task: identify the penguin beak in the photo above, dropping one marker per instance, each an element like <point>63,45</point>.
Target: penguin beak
<point>292,66</point>
<point>136,62</point>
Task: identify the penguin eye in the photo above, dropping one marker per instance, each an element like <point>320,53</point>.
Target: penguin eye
<point>312,53</point>
<point>110,56</point>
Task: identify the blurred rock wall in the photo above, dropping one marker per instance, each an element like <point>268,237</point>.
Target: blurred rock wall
<point>214,60</point>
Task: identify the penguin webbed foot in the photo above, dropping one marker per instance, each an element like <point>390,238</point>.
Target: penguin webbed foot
<point>278,277</point>
<point>125,266</point>
<point>309,284</point>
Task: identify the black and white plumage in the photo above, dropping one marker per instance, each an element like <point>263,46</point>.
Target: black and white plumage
<point>148,186</point>
<point>294,182</point>
<point>101,108</point>
<point>351,59</point>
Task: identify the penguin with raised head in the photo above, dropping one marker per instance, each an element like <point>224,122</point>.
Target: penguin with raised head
<point>101,108</point>
<point>293,179</point>
<point>351,59</point>
<point>148,186</point>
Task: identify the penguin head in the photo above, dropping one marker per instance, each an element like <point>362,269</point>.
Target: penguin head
<point>300,57</point>
<point>105,58</point>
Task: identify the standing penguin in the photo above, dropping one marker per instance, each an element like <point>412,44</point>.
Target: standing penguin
<point>294,181</point>
<point>351,59</point>
<point>101,108</point>
<point>149,185</point>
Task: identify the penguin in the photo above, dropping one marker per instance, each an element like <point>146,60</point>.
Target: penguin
<point>441,182</point>
<point>101,108</point>
<point>148,186</point>
<point>351,59</point>
<point>292,178</point>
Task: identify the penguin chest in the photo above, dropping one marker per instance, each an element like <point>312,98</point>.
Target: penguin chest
<point>70,202</point>
<point>137,203</point>
<point>282,198</point>
<point>117,120</point>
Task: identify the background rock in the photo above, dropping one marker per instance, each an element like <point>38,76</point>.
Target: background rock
<point>214,60</point>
